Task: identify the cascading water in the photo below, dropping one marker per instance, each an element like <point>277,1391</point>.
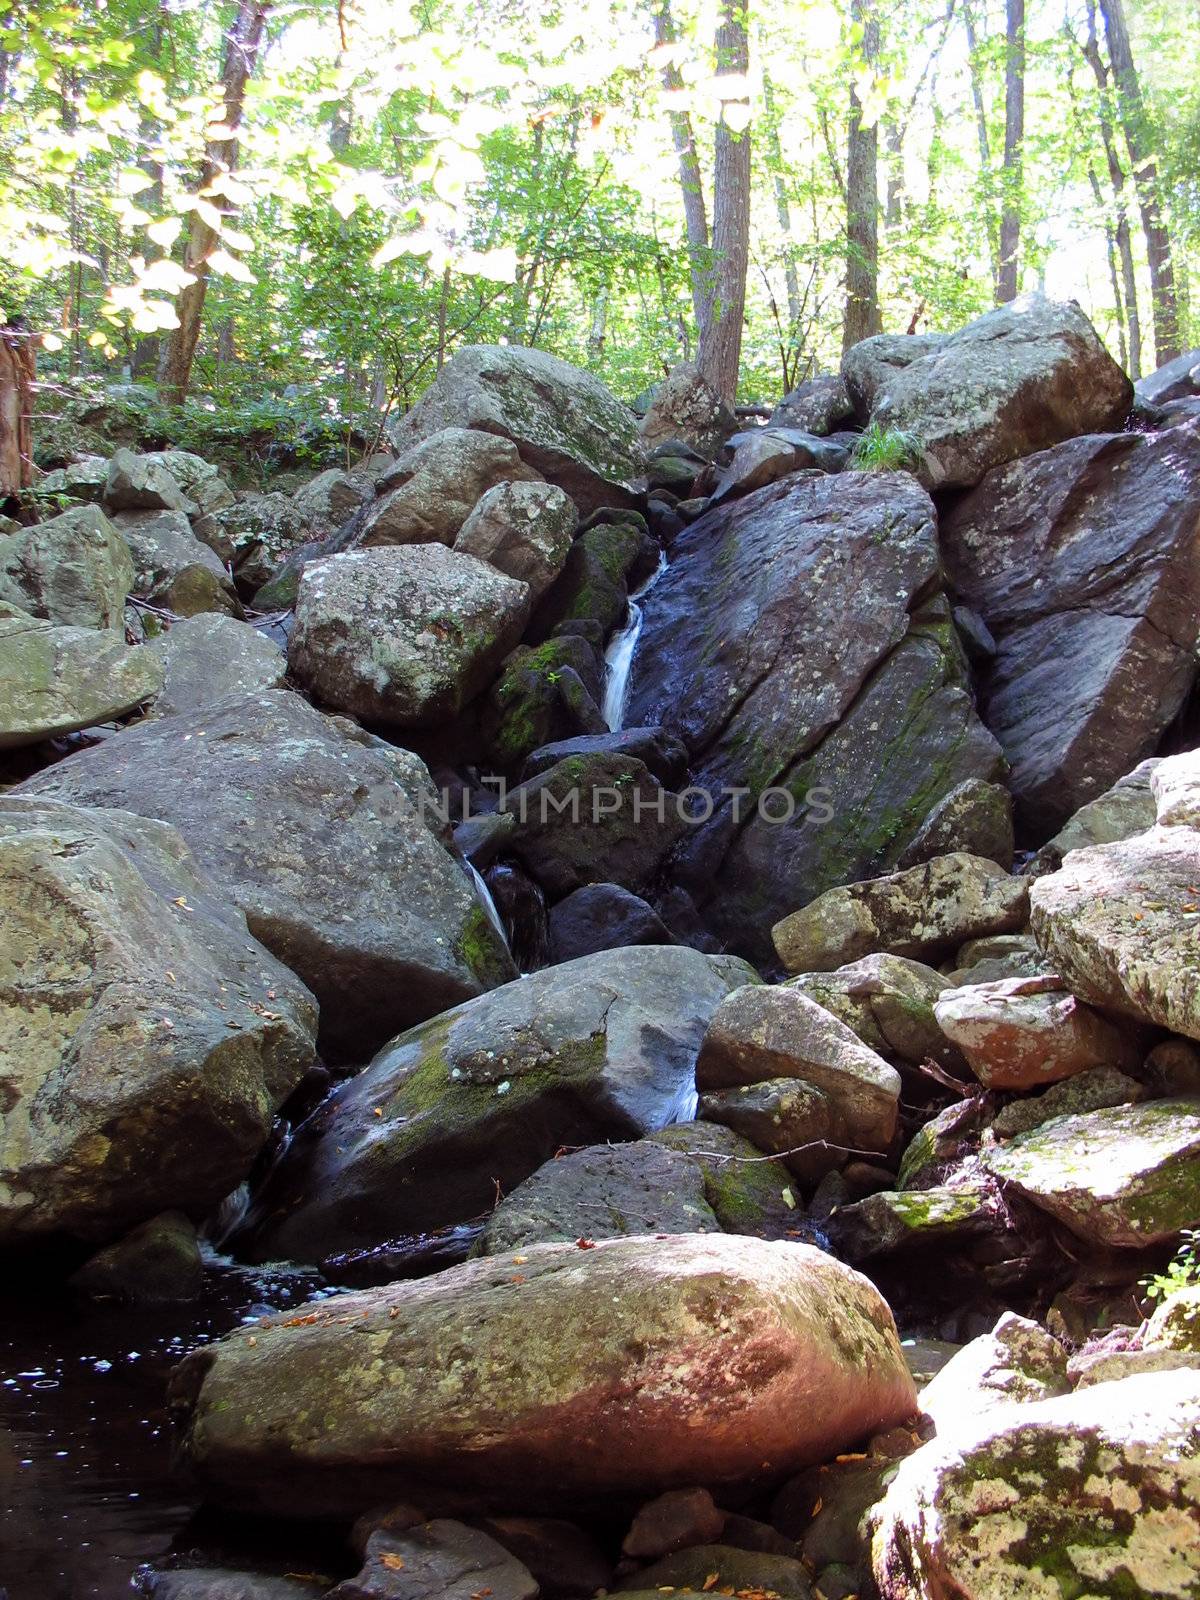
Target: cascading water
<point>489,905</point>
<point>618,658</point>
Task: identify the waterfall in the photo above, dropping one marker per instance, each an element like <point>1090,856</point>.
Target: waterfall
<point>484,895</point>
<point>618,658</point>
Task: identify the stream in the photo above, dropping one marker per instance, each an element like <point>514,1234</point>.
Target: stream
<point>618,658</point>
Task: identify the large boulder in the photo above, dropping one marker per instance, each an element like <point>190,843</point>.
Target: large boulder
<point>403,636</point>
<point>1018,379</point>
<point>924,912</point>
<point>522,529</point>
<point>1119,924</point>
<point>147,1039</point>
<point>74,570</point>
<point>818,405</point>
<point>700,1359</point>
<point>1119,813</point>
<point>564,422</point>
<point>1090,554</point>
<point>213,657</point>
<point>792,645</point>
<point>56,680</point>
<point>142,483</point>
<point>1092,1493</point>
<point>316,831</point>
<point>1125,1176</point>
<point>434,486</point>
<point>686,408</point>
<point>173,568</point>
<point>888,1002</point>
<point>468,1105</point>
<point>603,916</point>
<point>1174,380</point>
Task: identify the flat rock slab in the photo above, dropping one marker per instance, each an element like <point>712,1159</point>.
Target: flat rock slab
<point>213,657</point>
<point>701,1359</point>
<point>57,680</point>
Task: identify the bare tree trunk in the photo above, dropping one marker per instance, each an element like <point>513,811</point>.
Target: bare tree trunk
<point>1116,176</point>
<point>1136,124</point>
<point>720,348</point>
<point>783,210</point>
<point>242,44</point>
<point>17,374</point>
<point>598,332</point>
<point>1009,269</point>
<point>981,132</point>
<point>893,213</point>
<point>690,181</point>
<point>862,200</point>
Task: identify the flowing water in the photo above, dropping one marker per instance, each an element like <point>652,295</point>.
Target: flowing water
<point>618,658</point>
<point>489,905</point>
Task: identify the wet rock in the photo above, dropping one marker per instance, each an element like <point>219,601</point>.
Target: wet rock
<point>818,406</point>
<point>157,1263</point>
<point>1023,1033</point>
<point>212,657</point>
<point>483,1095</point>
<point>738,1571</point>
<point>523,530</point>
<point>407,636</point>
<point>1018,1362</point>
<point>925,911</point>
<point>888,1002</point>
<point>686,408</point>
<point>673,1521</point>
<point>546,694</point>
<point>1126,1176</point>
<point>1016,380</point>
<point>74,570</point>
<point>1095,1492</point>
<point>147,1038</point>
<point>602,1192</point>
<point>215,1583</point>
<point>1083,553</point>
<point>793,636</point>
<point>603,564</point>
<point>1089,1091</point>
<point>434,486</point>
<point>308,824</point>
<point>729,1360</point>
<point>760,1033</point>
<point>440,1560</point>
<point>55,680</point>
<point>564,422</point>
<point>1120,923</point>
<point>661,752</point>
<point>603,916</point>
<point>748,1192</point>
<point>975,817</point>
<point>142,483</point>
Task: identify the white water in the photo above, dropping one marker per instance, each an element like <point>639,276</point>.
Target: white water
<point>618,658</point>
<point>489,905</point>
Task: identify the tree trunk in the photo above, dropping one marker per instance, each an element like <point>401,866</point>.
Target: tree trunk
<point>1116,177</point>
<point>242,44</point>
<point>690,180</point>
<point>1136,124</point>
<point>1008,272</point>
<point>720,348</point>
<point>598,332</point>
<point>17,373</point>
<point>783,212</point>
<point>981,133</point>
<point>862,200</point>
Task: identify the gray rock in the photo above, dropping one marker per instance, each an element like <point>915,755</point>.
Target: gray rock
<point>56,680</point>
<point>142,483</point>
<point>213,657</point>
<point>904,1222</point>
<point>256,534</point>
<point>1089,1091</point>
<point>1017,1363</point>
<point>308,824</point>
<point>686,408</point>
<point>662,753</point>
<point>328,499</point>
<point>1083,554</point>
<point>546,694</point>
<point>479,1098</point>
<point>564,422</point>
<point>434,486</point>
<point>216,1583</point>
<point>1018,379</point>
<point>784,1117</point>
<point>975,816</point>
<point>888,1002</point>
<point>522,529</point>
<point>147,1038</point>
<point>440,1560</point>
<point>748,1192</point>
<point>174,569</point>
<point>74,570</point>
<point>158,1263</point>
<point>404,636</point>
<point>817,406</point>
<point>602,1192</point>
<point>1175,380</point>
<point>602,916</point>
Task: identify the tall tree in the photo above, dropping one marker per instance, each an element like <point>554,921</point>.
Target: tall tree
<point>1008,271</point>
<point>690,181</point>
<point>1135,122</point>
<point>720,346</point>
<point>242,44</point>
<point>862,317</point>
<point>982,136</point>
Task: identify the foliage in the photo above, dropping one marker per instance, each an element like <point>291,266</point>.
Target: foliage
<point>881,449</point>
<point>1183,1271</point>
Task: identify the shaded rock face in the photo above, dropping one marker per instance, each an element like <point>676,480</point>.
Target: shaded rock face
<point>786,647</point>
<point>56,680</point>
<point>603,916</point>
<point>1127,1176</point>
<point>74,570</point>
<point>432,489</point>
<point>1018,379</point>
<point>700,1359</point>
<point>1119,924</point>
<point>142,483</point>
<point>309,824</point>
<point>174,569</point>
<point>546,692</point>
<point>976,817</point>
<point>210,658</point>
<point>603,1192</point>
<point>479,1098</point>
<point>404,637</point>
<point>686,408</point>
<point>1096,1493</point>
<point>1084,562</point>
<point>439,1560</point>
<point>1126,809</point>
<point>565,423</point>
<point>146,1038</point>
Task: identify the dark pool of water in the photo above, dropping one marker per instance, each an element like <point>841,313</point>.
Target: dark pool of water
<point>86,1496</point>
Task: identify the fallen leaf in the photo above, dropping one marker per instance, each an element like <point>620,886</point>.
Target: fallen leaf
<point>585,1244</point>
<point>392,1561</point>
